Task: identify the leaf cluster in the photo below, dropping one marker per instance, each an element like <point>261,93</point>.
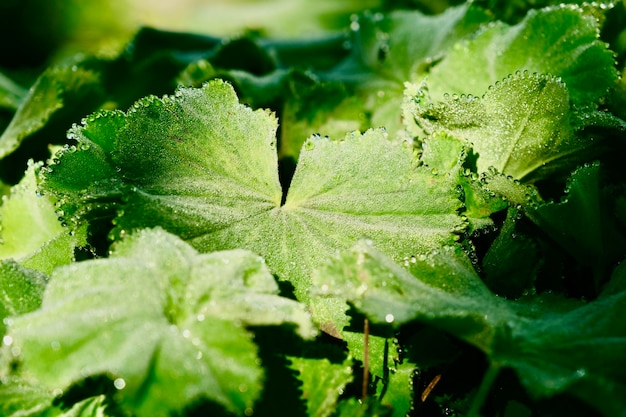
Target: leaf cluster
<point>421,215</point>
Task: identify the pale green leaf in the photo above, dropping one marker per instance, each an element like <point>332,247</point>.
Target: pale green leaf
<point>165,323</point>
<point>203,166</point>
<point>31,231</point>
<point>522,126</point>
<point>560,41</point>
<point>19,398</point>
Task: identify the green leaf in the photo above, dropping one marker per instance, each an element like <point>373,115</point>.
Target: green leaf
<point>58,88</point>
<point>512,261</point>
<point>596,241</point>
<point>399,45</point>
<point>31,231</point>
<point>397,394</point>
<point>358,408</point>
<point>443,153</point>
<point>522,126</point>
<point>162,321</point>
<point>554,345</point>
<point>184,163</point>
<point>446,155</point>
<point>391,49</point>
<point>316,107</point>
<point>19,398</point>
<point>560,41</point>
<point>323,382</point>
<point>21,291</point>
<point>90,407</point>
<point>388,293</point>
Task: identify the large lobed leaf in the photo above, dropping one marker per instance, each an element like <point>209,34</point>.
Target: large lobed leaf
<point>561,41</point>
<point>203,166</point>
<point>523,126</point>
<point>165,323</point>
<point>554,345</point>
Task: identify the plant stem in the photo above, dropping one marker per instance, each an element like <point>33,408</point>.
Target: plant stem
<point>366,359</point>
<point>484,389</point>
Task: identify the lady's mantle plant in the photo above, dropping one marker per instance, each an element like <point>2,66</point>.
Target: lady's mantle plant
<point>423,215</point>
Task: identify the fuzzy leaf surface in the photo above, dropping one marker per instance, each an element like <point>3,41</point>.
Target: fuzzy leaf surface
<point>561,41</point>
<point>31,231</point>
<point>554,345</point>
<point>203,166</point>
<point>21,291</point>
<point>19,398</point>
<point>522,126</point>
<point>159,317</point>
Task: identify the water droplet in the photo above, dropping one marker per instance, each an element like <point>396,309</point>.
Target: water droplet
<point>7,340</point>
<point>200,317</point>
<point>248,411</point>
<point>199,355</point>
<point>119,383</point>
<point>55,345</point>
<point>243,388</point>
<point>389,318</point>
<point>186,333</point>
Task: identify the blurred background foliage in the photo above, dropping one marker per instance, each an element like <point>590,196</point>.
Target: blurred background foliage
<point>36,32</point>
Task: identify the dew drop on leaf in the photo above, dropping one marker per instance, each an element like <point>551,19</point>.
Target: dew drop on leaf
<point>119,383</point>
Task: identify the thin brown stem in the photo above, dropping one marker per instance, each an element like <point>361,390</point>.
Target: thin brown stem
<point>430,387</point>
<point>366,359</point>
